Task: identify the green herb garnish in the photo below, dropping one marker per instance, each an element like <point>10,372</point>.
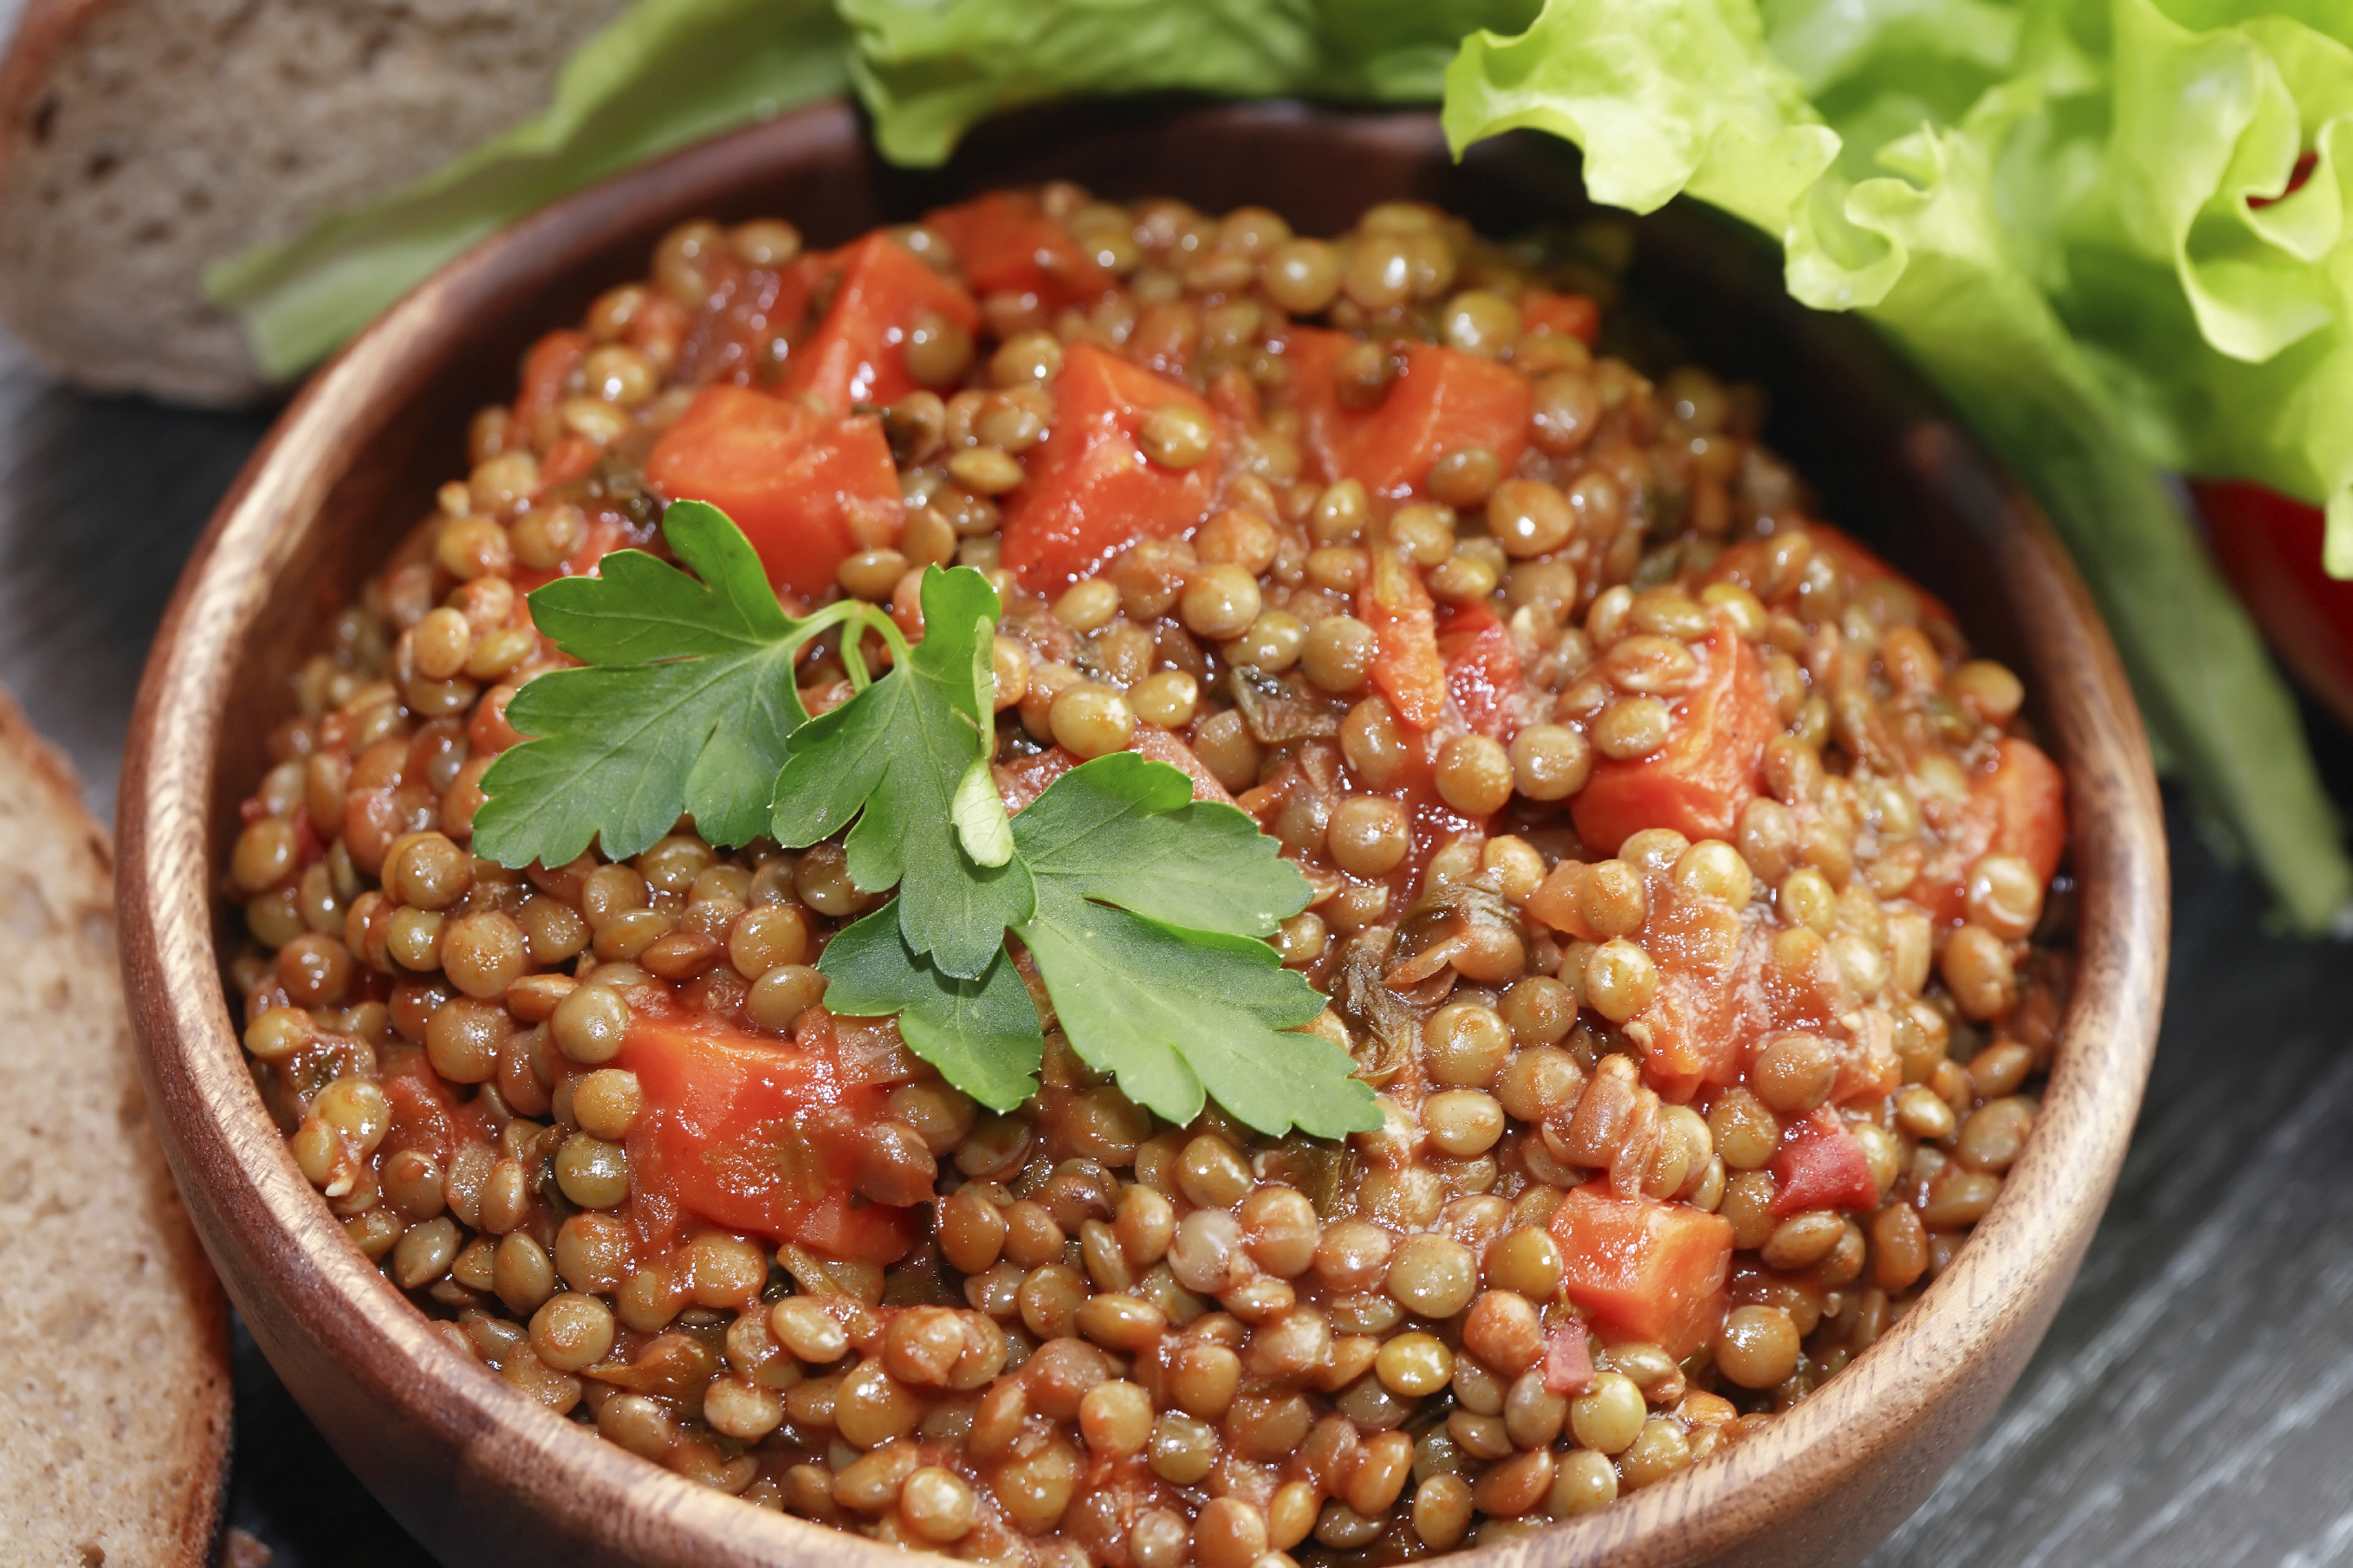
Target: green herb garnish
<point>1143,911</point>
<point>908,760</point>
<point>681,711</point>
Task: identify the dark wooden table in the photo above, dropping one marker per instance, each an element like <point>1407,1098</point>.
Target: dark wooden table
<point>2192,1406</point>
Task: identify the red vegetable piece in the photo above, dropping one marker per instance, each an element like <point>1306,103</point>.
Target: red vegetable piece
<point>2032,796</point>
<point>1700,1026</point>
<point>1328,431</point>
<point>855,356</point>
<point>2019,808</point>
<point>568,459</point>
<point>1407,667</point>
<point>1743,562</point>
<point>2268,545</point>
<point>1482,667</point>
<point>1863,567</point>
<point>1567,1361</point>
<point>1005,243</point>
<point>1442,401</point>
<point>738,1130</point>
<point>547,367</point>
<point>1697,783</point>
<point>1821,1165</point>
<point>488,732</point>
<point>1652,1270</point>
<point>421,1111</point>
<point>1091,491</point>
<point>2304,163</point>
<point>807,491</point>
<point>1570,315</point>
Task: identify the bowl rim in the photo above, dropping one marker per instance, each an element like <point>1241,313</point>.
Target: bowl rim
<point>194,1065</point>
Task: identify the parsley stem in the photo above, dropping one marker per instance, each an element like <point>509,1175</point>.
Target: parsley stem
<point>862,618</point>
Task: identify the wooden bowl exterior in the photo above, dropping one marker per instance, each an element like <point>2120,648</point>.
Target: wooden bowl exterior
<point>482,1475</point>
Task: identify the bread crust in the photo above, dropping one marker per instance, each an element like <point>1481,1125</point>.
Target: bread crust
<point>141,140</point>
<point>184,1528</point>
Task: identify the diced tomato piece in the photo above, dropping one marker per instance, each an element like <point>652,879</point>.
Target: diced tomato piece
<point>420,1114</point>
<point>2032,796</point>
<point>1406,663</point>
<point>1091,491</point>
<point>807,491</point>
<point>1005,243</point>
<point>795,285</point>
<point>1697,1029</point>
<point>1482,667</point>
<point>1868,1068</point>
<point>1718,990</point>
<point>1743,562</point>
<point>1567,1360</point>
<point>1559,901</point>
<point>547,367</point>
<point>1166,746</point>
<point>1442,401</point>
<point>1863,566</point>
<point>568,459</point>
<point>1570,315</point>
<point>1310,355</point>
<point>2019,808</point>
<point>734,1131</point>
<point>488,732</point>
<point>864,1233</point>
<point>855,355</point>
<point>1821,1165</point>
<point>1652,1270</point>
<point>1021,782</point>
<point>1697,783</point>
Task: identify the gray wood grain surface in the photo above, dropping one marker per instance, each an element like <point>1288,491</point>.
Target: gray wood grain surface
<point>2193,1405</point>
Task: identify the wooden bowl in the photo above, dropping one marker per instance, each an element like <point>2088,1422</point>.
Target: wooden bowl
<point>482,1475</point>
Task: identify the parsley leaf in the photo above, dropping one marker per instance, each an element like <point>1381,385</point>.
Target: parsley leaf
<point>981,1034</point>
<point>908,760</point>
<point>1125,829</point>
<point>1143,909</point>
<point>683,710</point>
<point>1178,1011</point>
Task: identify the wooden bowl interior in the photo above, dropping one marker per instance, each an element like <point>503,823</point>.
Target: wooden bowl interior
<point>353,466</point>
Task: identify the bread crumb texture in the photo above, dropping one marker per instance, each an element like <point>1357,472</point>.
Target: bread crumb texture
<point>142,139</point>
<point>114,1400</point>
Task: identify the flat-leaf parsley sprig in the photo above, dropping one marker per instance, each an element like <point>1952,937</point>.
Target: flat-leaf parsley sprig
<point>1143,911</point>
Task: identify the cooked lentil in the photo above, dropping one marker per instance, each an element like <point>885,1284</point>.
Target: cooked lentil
<point>1675,875</point>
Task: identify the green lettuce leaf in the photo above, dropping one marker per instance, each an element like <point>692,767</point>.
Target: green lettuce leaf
<point>930,70</point>
<point>2044,203</point>
<point>664,73</point>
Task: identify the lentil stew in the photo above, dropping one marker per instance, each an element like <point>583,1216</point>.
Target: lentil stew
<point>1675,876</point>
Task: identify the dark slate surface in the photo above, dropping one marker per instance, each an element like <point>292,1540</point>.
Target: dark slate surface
<point>2190,1407</point>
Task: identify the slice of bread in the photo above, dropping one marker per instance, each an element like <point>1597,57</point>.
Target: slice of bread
<point>142,139</point>
<point>114,1377</point>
